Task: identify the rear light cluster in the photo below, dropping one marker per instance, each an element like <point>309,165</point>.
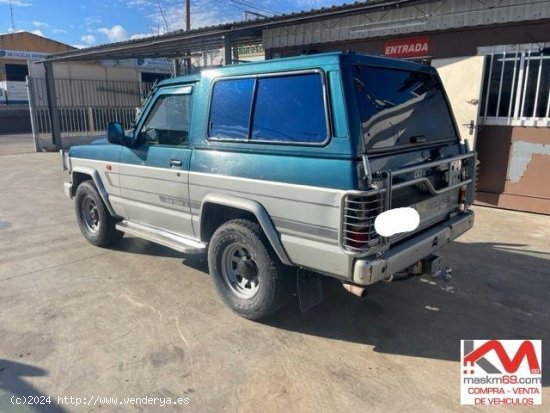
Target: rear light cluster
<point>358,215</point>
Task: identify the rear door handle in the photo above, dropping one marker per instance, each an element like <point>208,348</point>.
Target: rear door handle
<point>175,162</point>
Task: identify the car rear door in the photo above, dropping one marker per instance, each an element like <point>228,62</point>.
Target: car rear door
<point>154,172</point>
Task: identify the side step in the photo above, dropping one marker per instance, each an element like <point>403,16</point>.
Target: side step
<point>159,236</point>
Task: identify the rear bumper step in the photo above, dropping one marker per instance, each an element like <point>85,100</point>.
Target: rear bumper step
<point>159,236</point>
<point>368,272</point>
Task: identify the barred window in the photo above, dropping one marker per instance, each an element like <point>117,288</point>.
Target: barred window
<point>516,86</point>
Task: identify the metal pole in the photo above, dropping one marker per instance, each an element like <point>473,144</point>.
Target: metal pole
<point>32,110</point>
<point>177,67</point>
<point>52,105</point>
<point>187,59</point>
<point>187,15</point>
<point>228,59</point>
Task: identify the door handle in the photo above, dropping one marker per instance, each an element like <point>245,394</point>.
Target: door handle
<point>175,162</point>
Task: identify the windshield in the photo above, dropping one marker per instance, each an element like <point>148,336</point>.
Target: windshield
<point>401,108</point>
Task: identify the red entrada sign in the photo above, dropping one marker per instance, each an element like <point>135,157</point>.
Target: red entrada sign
<point>412,47</point>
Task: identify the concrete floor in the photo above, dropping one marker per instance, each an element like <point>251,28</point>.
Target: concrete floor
<point>141,320</point>
<point>24,143</point>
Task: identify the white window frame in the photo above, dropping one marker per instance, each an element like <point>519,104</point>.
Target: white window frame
<point>523,51</point>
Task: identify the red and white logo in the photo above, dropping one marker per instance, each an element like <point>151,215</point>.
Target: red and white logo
<point>501,372</point>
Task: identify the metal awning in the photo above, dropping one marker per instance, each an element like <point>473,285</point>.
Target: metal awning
<point>171,45</point>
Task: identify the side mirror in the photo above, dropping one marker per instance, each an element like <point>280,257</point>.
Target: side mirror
<point>115,133</point>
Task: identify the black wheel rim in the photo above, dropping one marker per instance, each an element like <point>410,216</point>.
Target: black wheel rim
<point>90,214</point>
<point>240,271</point>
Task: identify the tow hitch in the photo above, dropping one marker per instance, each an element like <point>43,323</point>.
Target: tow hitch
<point>431,265</point>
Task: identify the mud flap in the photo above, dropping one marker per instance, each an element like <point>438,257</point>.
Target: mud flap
<point>310,289</point>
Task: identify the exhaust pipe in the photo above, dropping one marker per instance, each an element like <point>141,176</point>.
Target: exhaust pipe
<point>355,289</point>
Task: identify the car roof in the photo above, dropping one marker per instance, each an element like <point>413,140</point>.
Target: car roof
<point>301,62</point>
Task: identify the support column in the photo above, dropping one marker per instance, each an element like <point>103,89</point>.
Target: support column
<point>228,55</point>
<point>32,110</point>
<point>177,67</point>
<point>236,56</point>
<point>55,119</point>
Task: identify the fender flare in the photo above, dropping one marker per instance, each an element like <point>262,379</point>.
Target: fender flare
<point>258,211</point>
<point>92,173</point>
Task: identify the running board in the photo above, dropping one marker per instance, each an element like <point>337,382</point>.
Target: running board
<point>159,236</point>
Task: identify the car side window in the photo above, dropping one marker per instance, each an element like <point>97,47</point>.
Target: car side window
<point>290,109</point>
<point>167,123</point>
<point>285,108</point>
<point>230,108</point>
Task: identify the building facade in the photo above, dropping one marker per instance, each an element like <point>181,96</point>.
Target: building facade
<point>17,52</point>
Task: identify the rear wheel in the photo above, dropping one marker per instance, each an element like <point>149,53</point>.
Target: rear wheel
<point>248,275</point>
<point>95,222</point>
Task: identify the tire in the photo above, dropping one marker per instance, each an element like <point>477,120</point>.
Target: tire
<point>94,220</point>
<point>239,259</point>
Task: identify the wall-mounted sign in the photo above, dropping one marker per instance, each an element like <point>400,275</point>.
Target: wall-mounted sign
<point>411,47</point>
<point>155,63</point>
<point>21,54</point>
<point>150,64</point>
<point>251,50</point>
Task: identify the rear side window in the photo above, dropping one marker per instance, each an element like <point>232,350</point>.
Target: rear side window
<point>289,108</point>
<point>230,109</point>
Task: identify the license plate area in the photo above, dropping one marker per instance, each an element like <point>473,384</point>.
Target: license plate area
<point>437,205</point>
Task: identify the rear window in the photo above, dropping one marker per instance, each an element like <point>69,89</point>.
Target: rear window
<point>401,108</point>
<point>285,108</point>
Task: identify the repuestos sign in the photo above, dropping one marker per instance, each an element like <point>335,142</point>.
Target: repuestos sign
<point>415,47</point>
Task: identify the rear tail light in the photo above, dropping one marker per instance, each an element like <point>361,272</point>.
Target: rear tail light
<point>359,213</point>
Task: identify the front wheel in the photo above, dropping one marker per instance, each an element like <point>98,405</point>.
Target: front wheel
<point>95,222</point>
<point>248,275</point>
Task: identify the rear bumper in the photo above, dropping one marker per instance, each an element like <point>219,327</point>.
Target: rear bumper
<point>366,272</point>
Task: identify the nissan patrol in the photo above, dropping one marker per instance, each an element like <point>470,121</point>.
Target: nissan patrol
<point>284,164</point>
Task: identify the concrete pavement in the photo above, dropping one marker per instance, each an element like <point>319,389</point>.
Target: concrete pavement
<point>24,143</point>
